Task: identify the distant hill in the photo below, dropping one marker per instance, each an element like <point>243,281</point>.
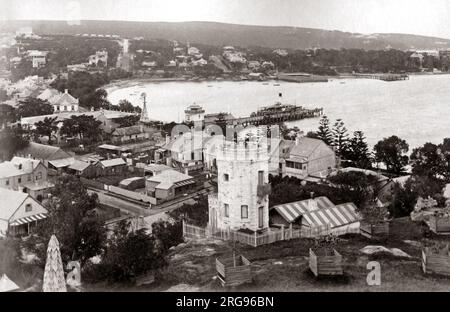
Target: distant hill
<point>239,35</point>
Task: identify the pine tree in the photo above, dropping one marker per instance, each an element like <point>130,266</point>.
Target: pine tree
<point>340,138</point>
<point>358,150</point>
<point>324,132</point>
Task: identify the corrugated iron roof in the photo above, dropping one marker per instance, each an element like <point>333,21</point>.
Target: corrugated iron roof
<point>292,211</point>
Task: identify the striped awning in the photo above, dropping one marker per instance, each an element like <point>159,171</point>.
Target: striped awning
<point>29,219</point>
<point>292,211</point>
<point>332,217</point>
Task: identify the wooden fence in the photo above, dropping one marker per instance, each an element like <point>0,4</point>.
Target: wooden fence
<point>256,239</point>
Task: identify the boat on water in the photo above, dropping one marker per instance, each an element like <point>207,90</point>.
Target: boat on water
<point>265,83</point>
<point>276,84</point>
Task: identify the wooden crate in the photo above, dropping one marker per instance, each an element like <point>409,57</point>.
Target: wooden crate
<point>433,263</point>
<point>326,265</point>
<point>372,231</point>
<point>234,272</point>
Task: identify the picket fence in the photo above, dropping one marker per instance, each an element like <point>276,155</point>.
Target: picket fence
<point>257,239</point>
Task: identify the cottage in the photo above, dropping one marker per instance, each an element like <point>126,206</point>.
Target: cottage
<point>64,102</point>
<point>308,159</point>
<point>99,56</point>
<point>26,175</point>
<point>43,152</point>
<point>114,166</point>
<point>129,134</point>
<point>38,58</point>
<point>168,185</point>
<point>19,212</point>
<point>82,169</point>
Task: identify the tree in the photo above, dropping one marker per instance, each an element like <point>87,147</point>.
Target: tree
<point>432,160</point>
<point>359,187</point>
<point>404,197</point>
<point>7,114</point>
<point>391,151</point>
<point>97,99</point>
<point>168,233</point>
<point>324,132</point>
<point>126,106</point>
<point>34,107</point>
<point>83,126</point>
<point>340,138</point>
<point>358,151</point>
<point>130,255</point>
<point>196,214</point>
<point>11,141</point>
<point>46,127</point>
<point>72,218</point>
<point>127,121</point>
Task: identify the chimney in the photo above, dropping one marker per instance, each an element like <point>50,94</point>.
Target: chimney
<point>66,91</point>
<point>92,108</point>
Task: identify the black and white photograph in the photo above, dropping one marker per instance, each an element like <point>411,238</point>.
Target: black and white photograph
<point>224,146</point>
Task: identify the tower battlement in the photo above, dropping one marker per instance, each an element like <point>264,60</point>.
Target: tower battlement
<point>243,151</point>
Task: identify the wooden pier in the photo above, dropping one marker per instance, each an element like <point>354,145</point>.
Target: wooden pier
<point>278,117</point>
<point>383,77</point>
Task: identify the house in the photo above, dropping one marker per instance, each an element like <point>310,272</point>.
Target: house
<point>307,159</point>
<point>38,58</point>
<point>168,185</point>
<point>26,175</point>
<point>99,56</point>
<point>82,169</point>
<point>43,152</point>
<point>114,166</point>
<point>64,102</point>
<point>47,94</point>
<point>129,134</point>
<point>19,213</point>
<point>256,76</point>
<point>317,212</point>
<point>280,52</point>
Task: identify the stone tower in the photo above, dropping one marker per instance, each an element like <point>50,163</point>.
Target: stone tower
<point>242,201</point>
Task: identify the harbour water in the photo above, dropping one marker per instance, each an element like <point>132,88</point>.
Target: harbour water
<point>417,110</point>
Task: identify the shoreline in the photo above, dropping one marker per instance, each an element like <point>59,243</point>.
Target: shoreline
<point>135,81</point>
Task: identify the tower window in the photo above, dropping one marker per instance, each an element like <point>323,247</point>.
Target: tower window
<point>244,212</point>
<point>28,208</point>
<point>226,177</point>
<point>227,210</point>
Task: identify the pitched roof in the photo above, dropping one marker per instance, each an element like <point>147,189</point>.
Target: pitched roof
<point>41,151</point>
<point>63,99</point>
<point>113,162</point>
<point>292,211</point>
<point>305,146</point>
<point>79,165</point>
<point>128,130</point>
<point>47,94</point>
<point>168,178</point>
<point>7,169</point>
<point>61,163</point>
<point>108,114</point>
<point>10,201</point>
<point>332,217</point>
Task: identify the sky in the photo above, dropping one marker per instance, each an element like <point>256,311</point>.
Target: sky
<point>421,17</point>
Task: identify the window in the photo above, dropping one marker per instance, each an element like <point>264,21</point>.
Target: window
<point>7,182</point>
<point>19,180</point>
<point>226,177</point>
<point>73,108</point>
<point>65,108</point>
<point>260,177</point>
<point>244,212</point>
<point>28,208</point>
<point>20,166</point>
<point>39,176</point>
<point>227,210</point>
<point>29,178</point>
